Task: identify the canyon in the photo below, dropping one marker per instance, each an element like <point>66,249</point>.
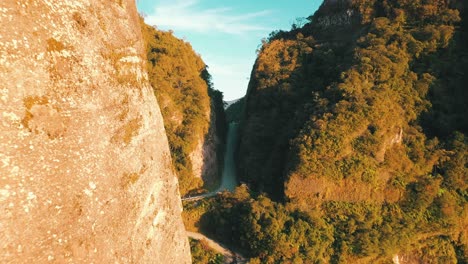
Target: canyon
<point>350,142</point>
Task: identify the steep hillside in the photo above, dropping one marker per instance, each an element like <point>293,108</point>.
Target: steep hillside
<point>235,110</point>
<point>86,173</point>
<point>192,110</point>
<point>358,118</point>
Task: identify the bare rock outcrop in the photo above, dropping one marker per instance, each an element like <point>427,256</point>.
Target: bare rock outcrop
<point>85,167</point>
<point>205,160</point>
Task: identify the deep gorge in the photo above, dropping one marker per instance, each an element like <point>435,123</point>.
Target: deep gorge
<point>349,145</point>
<point>352,140</point>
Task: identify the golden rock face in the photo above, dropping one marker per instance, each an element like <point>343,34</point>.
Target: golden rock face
<point>85,167</point>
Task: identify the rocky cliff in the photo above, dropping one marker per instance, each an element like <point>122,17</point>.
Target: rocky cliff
<point>86,172</point>
<point>206,156</point>
<point>335,13</point>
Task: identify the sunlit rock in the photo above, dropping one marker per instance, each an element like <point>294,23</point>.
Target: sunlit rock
<point>85,167</point>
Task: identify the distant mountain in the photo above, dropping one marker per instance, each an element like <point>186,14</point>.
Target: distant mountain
<point>229,103</point>
<point>234,110</point>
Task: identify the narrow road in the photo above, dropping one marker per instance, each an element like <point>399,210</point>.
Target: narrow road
<point>229,183</point>
<point>228,179</point>
<point>229,255</point>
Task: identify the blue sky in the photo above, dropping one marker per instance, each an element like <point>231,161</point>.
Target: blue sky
<point>226,33</point>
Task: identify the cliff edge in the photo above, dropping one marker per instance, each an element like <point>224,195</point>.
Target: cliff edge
<point>86,172</point>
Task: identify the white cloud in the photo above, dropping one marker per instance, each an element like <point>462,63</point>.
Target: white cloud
<point>187,15</point>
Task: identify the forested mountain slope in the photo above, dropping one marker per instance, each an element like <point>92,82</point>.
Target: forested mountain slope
<point>235,110</point>
<point>192,110</point>
<point>358,118</point>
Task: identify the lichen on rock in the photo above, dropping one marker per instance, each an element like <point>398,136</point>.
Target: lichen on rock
<point>85,168</point>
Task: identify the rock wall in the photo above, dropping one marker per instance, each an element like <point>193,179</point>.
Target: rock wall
<point>85,168</point>
<point>204,158</point>
<point>335,13</point>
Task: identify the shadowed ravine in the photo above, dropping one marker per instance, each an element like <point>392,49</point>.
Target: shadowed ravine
<point>228,179</point>
<point>228,183</point>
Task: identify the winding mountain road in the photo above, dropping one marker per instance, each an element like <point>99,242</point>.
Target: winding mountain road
<point>229,183</point>
<point>229,255</point>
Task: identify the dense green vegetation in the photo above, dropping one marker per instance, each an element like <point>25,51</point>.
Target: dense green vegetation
<point>340,232</point>
<point>188,102</point>
<point>234,111</point>
<point>354,130</point>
